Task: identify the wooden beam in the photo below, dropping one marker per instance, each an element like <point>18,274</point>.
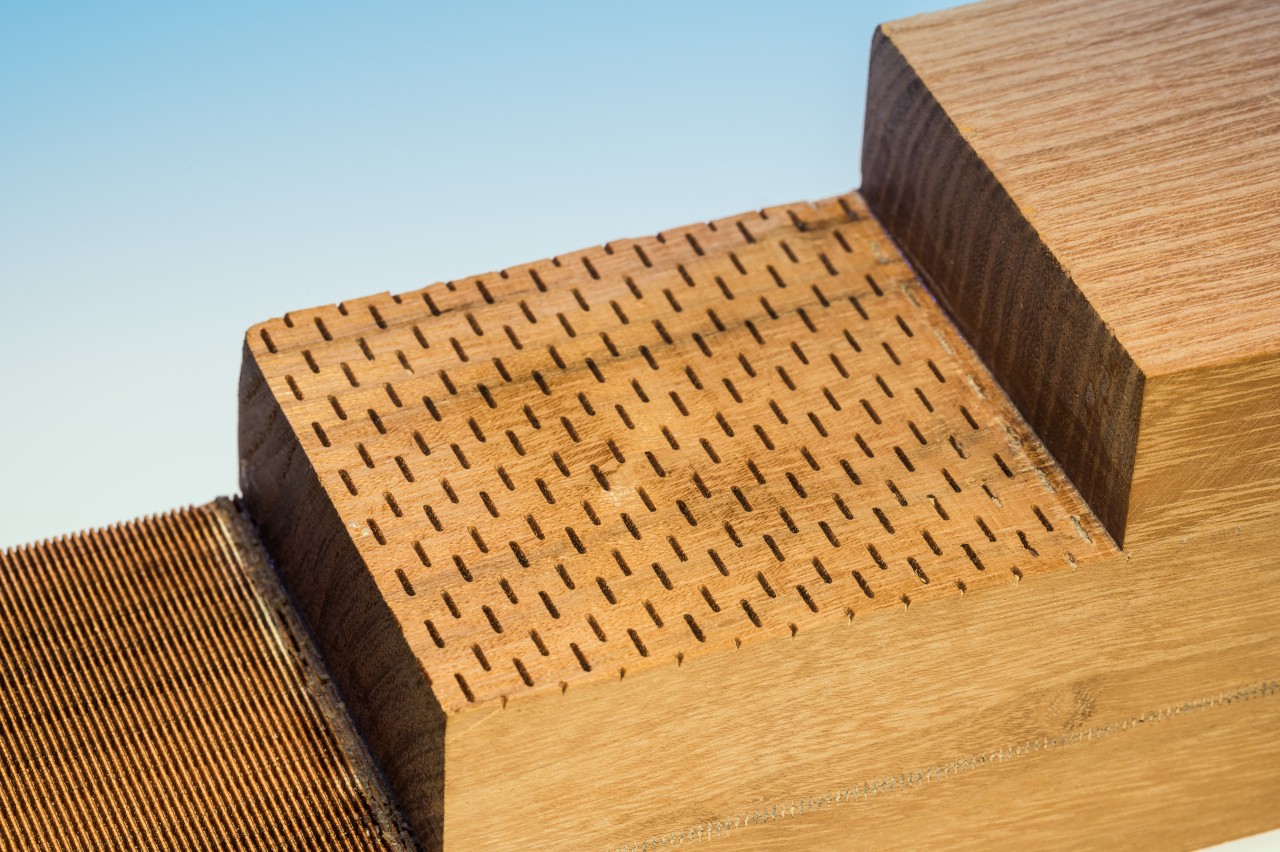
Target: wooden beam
<point>1091,188</point>
<point>683,533</point>
<point>726,535</point>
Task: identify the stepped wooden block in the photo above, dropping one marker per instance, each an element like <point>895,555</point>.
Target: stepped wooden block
<point>1091,190</point>
<point>159,693</point>
<point>725,534</point>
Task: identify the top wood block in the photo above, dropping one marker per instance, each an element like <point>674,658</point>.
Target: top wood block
<point>1142,140</point>
<point>1092,189</point>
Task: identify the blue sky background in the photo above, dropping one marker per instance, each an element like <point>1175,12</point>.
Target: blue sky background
<point>172,173</point>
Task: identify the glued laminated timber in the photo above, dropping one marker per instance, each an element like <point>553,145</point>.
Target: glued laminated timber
<point>743,534</point>
<point>678,538</point>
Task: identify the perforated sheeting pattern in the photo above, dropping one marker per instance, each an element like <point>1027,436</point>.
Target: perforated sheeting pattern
<point>632,453</point>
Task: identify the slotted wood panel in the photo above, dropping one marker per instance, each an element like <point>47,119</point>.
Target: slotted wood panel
<point>559,471</point>
<point>496,489</point>
<point>157,695</point>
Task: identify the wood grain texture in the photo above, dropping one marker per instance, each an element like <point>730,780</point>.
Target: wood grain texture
<point>1091,189</point>
<point>592,462</point>
<point>158,693</point>
<point>1133,703</point>
<point>620,460</point>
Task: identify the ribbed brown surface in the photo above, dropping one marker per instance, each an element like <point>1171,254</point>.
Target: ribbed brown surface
<point>154,694</point>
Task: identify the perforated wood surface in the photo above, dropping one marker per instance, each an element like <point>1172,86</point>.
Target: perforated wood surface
<point>157,695</point>
<point>626,455</point>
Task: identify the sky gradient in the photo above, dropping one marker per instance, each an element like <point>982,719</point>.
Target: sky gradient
<point>171,174</point>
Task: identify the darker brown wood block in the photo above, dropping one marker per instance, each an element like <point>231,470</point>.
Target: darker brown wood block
<point>1095,207</point>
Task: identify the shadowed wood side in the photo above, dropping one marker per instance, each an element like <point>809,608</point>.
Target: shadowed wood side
<point>392,702</point>
<point>1050,350</point>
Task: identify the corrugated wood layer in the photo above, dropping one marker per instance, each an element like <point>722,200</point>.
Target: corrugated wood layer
<point>157,693</point>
